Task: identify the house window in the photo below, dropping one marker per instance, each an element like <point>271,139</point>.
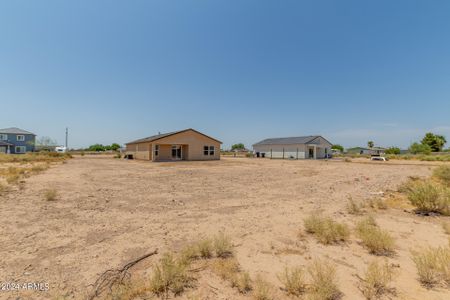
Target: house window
<point>208,150</point>
<point>21,149</point>
<point>156,150</point>
<point>3,137</point>
<point>20,138</point>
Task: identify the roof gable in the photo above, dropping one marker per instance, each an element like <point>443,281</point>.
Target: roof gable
<point>164,135</point>
<point>318,140</point>
<point>15,130</point>
<point>288,140</point>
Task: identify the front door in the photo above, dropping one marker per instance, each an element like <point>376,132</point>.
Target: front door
<point>176,152</point>
<point>311,153</point>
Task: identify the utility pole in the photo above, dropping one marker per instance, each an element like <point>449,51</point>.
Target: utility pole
<point>67,138</point>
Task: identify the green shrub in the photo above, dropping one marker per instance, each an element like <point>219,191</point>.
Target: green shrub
<point>392,150</point>
<point>428,197</point>
<point>337,147</point>
<point>417,148</point>
<point>326,230</point>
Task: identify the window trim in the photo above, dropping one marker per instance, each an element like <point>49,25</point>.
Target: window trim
<point>209,150</point>
<point>3,137</point>
<point>22,138</point>
<point>20,147</point>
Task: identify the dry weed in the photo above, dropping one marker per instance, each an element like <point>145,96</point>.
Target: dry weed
<point>242,282</point>
<point>354,208</point>
<point>226,268</point>
<point>326,230</point>
<point>205,248</point>
<point>446,227</point>
<point>170,275</point>
<point>293,280</point>
<point>429,196</point>
<point>262,290</point>
<point>377,240</point>
<point>377,279</point>
<point>323,281</point>
<point>442,173</point>
<point>223,246</point>
<point>50,195</point>
<point>433,266</point>
<point>3,188</point>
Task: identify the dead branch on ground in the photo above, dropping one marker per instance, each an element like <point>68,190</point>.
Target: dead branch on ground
<point>114,277</point>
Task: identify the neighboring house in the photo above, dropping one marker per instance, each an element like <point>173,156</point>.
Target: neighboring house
<point>187,144</point>
<point>15,141</point>
<point>366,151</point>
<point>313,146</point>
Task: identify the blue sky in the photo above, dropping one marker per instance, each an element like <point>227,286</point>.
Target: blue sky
<point>240,71</point>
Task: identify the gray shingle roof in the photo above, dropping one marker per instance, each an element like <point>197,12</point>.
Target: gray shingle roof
<point>288,140</point>
<point>163,135</point>
<point>15,130</point>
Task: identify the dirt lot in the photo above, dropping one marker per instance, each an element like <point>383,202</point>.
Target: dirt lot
<point>109,211</point>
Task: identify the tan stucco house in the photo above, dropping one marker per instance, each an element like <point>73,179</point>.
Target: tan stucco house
<point>188,144</point>
<point>301,147</point>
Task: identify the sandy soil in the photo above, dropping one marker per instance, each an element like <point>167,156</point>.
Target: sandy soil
<point>110,211</point>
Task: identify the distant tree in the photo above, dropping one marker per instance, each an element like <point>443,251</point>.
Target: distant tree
<point>96,148</point>
<point>115,146</point>
<point>392,150</point>
<point>436,142</point>
<point>338,147</point>
<point>370,144</point>
<point>45,141</point>
<point>417,148</point>
<point>239,146</point>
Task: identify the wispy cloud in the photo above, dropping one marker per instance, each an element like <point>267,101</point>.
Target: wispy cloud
<point>386,124</point>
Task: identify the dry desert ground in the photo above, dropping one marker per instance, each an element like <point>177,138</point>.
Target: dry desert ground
<point>109,211</point>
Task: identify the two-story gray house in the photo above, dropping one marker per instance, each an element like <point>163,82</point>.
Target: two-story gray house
<point>15,141</point>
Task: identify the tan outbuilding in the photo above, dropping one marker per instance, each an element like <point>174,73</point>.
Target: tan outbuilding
<point>188,144</point>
